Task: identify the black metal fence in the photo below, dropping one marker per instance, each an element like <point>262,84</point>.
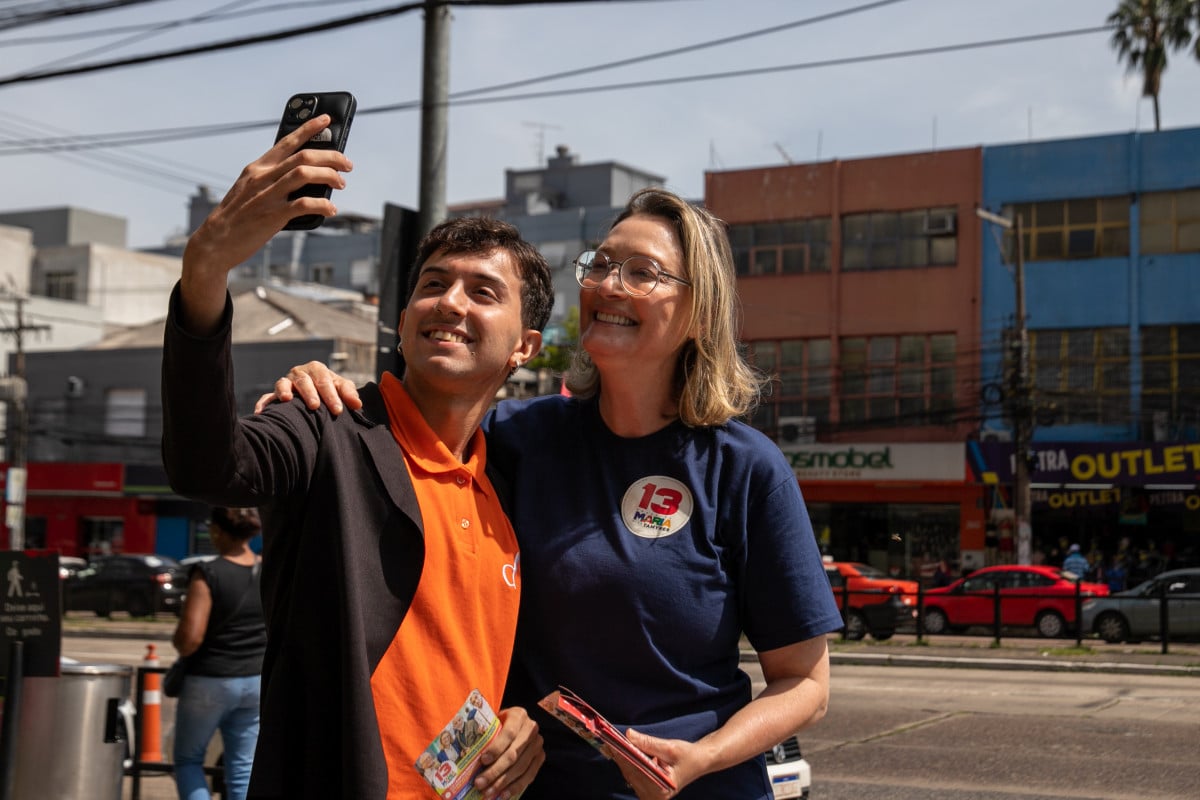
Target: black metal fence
<point>1163,601</point>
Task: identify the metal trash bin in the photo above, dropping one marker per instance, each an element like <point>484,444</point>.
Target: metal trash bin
<point>72,735</point>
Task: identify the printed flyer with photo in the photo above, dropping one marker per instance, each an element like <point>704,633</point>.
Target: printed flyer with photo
<point>451,761</point>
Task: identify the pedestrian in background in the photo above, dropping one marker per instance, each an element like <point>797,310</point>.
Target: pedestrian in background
<point>1076,562</point>
<point>222,635</point>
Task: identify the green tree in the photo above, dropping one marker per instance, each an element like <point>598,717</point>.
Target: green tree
<point>1144,31</point>
<point>557,357</point>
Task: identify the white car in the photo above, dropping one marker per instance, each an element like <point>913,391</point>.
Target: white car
<point>790,774</point>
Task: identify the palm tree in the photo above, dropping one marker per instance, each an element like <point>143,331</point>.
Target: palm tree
<point>1144,31</point>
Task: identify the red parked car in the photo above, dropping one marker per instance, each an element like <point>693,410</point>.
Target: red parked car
<point>878,604</point>
<point>1030,596</point>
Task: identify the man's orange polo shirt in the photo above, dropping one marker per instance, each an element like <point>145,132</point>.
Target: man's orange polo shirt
<point>458,633</point>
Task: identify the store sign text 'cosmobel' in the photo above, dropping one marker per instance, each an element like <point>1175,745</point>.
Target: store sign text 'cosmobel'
<point>850,458</point>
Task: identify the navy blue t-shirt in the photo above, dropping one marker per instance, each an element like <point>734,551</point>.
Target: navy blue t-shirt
<point>643,561</point>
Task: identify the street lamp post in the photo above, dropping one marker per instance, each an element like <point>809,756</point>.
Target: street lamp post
<point>1021,397</point>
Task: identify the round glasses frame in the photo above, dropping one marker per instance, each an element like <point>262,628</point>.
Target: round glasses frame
<point>634,273</point>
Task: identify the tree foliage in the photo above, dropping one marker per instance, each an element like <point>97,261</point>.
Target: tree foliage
<point>557,357</point>
<point>1145,31</point>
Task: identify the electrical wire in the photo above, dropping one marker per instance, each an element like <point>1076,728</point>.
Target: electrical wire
<point>464,99</point>
<point>19,18</point>
<point>154,30</point>
<point>198,19</point>
<point>321,27</point>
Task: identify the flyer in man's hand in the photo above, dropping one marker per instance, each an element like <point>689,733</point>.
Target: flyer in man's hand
<point>580,717</point>
<point>451,761</point>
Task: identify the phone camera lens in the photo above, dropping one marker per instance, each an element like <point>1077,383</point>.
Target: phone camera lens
<point>296,103</point>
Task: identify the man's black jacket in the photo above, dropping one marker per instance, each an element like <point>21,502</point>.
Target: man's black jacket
<point>343,552</point>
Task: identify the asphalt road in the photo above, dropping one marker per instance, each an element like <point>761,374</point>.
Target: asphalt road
<point>961,734</point>
<point>903,733</point>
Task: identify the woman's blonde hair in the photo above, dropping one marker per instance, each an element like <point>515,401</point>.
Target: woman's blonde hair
<point>712,382</point>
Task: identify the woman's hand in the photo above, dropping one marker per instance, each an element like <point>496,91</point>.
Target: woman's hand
<point>683,761</point>
<point>513,758</point>
<point>797,695</point>
<point>315,384</point>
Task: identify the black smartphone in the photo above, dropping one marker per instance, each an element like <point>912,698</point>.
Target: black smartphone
<point>300,108</point>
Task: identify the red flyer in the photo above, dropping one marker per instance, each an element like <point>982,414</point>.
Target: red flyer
<point>572,711</point>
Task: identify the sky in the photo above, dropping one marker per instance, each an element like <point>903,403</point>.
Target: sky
<point>795,109</point>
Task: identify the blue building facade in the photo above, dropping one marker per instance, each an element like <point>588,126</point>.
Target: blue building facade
<point>1111,252</point>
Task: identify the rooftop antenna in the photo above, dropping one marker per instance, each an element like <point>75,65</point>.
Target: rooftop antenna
<point>786,158</point>
<point>714,160</point>
<point>540,138</point>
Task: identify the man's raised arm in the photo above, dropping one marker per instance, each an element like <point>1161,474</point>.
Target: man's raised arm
<point>255,209</point>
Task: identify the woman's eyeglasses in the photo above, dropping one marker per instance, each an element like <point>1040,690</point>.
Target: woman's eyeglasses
<point>638,275</point>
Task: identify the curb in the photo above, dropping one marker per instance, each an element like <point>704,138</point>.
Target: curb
<point>1042,665</point>
<point>156,636</point>
<point>1000,663</point>
<point>164,633</point>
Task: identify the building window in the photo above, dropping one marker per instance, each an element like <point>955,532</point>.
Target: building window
<point>890,239</point>
<point>1170,222</point>
<point>60,285</point>
<point>1057,230</point>
<point>362,276</point>
<point>125,413</point>
<point>800,380</point>
<point>101,536</point>
<point>1083,373</point>
<point>897,381</point>
<point>1171,371</point>
<point>781,248</point>
<point>322,273</point>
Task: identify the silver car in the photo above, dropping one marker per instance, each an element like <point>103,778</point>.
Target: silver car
<point>1134,614</point>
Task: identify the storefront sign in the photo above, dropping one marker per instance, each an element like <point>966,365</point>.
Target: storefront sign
<point>878,462</point>
<point>1110,463</point>
<point>1077,498</point>
<point>1176,500</point>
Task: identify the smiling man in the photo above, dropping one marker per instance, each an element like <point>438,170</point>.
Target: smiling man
<point>391,577</point>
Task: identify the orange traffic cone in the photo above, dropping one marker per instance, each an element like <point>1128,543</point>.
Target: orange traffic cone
<point>150,740</point>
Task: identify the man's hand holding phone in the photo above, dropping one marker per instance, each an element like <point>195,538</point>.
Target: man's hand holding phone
<point>265,197</point>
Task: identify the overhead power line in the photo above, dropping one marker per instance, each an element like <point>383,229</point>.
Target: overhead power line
<point>198,19</point>
<point>468,98</point>
<point>320,27</point>
<point>32,15</point>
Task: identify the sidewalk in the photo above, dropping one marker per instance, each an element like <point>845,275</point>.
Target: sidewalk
<point>980,652</point>
<point>1022,653</point>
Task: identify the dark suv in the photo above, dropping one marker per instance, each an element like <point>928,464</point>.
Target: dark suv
<point>138,584</point>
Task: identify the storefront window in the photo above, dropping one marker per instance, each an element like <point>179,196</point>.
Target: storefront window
<point>902,539</point>
<point>101,535</point>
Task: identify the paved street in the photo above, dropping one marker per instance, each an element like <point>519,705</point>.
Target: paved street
<point>962,734</point>
<point>973,734</point>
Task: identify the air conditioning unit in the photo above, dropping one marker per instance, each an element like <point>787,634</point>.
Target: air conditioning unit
<point>995,436</point>
<point>939,224</point>
<point>793,431</point>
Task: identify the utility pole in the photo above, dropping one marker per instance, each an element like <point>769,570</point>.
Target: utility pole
<point>435,97</point>
<point>13,390</point>
<point>1020,404</point>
